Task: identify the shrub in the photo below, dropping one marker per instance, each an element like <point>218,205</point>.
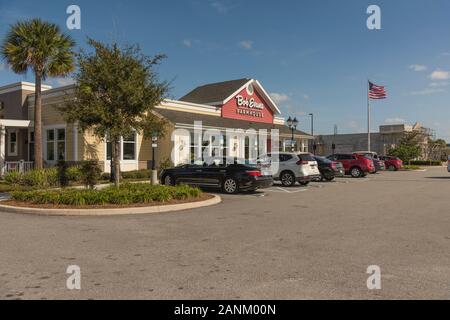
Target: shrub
<point>42,178</point>
<point>13,177</point>
<point>426,163</point>
<point>165,164</point>
<point>73,173</point>
<point>90,173</point>
<point>138,174</point>
<point>62,174</point>
<point>125,194</point>
<point>105,176</point>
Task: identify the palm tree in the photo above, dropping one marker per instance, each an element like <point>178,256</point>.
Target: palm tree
<point>41,47</point>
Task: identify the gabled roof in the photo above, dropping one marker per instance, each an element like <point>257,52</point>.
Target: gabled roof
<point>214,92</point>
<point>220,93</point>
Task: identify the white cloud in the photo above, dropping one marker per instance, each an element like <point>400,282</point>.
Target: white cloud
<point>187,43</point>
<point>417,67</point>
<point>279,97</point>
<point>438,84</point>
<point>394,120</point>
<point>426,92</point>
<point>220,6</point>
<point>246,44</point>
<point>440,75</point>
<point>63,81</point>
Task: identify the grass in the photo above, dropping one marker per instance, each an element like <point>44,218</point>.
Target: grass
<point>126,194</point>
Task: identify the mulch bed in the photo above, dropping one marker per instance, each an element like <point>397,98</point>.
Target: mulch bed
<point>14,203</point>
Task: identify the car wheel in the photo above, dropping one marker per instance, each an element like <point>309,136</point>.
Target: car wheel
<point>392,168</point>
<point>356,172</point>
<point>304,183</point>
<point>169,180</point>
<point>230,186</point>
<point>329,178</point>
<point>287,179</point>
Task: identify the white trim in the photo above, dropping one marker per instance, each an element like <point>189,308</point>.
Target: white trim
<point>189,107</point>
<point>75,142</point>
<point>28,86</point>
<point>29,143</point>
<point>268,96</point>
<point>122,161</point>
<point>15,123</point>
<point>256,87</point>
<point>279,120</point>
<point>237,91</point>
<point>15,153</point>
<point>55,142</point>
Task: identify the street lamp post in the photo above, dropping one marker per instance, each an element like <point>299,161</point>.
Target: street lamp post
<point>314,146</point>
<point>292,124</point>
<point>154,146</point>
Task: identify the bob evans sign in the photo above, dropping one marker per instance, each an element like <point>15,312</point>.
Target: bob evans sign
<point>248,106</point>
<point>245,106</point>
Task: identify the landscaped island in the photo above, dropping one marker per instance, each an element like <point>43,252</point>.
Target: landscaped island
<point>127,195</point>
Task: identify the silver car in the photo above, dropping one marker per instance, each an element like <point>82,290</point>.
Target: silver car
<point>292,167</point>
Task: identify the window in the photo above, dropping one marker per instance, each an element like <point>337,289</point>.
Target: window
<point>61,144</point>
<point>285,157</point>
<point>31,146</point>
<point>55,144</point>
<point>12,145</point>
<point>306,157</point>
<point>129,147</point>
<point>51,145</point>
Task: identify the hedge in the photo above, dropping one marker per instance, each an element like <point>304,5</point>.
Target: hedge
<point>124,195</point>
<point>426,163</point>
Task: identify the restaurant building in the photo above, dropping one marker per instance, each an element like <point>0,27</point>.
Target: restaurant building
<point>242,106</point>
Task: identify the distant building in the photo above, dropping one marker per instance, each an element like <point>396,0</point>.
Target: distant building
<point>388,137</point>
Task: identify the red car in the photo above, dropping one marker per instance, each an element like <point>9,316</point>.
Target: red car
<point>392,163</point>
<point>354,165</point>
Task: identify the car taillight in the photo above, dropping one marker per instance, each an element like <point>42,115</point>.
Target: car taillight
<point>333,165</point>
<point>301,162</point>
<point>254,173</point>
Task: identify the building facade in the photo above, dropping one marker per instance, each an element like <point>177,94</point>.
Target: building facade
<point>239,106</point>
<point>388,137</point>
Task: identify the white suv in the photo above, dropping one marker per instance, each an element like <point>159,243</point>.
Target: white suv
<point>292,167</point>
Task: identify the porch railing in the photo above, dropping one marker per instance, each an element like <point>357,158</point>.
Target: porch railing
<point>17,166</point>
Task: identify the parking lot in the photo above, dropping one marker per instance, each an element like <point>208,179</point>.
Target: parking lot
<point>280,243</point>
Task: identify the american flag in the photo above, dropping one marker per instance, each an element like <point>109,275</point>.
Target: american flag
<point>376,92</point>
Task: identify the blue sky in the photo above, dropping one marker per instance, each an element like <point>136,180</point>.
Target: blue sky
<point>313,56</point>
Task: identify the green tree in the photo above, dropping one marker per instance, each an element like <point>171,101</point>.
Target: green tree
<point>116,90</point>
<point>38,46</point>
<point>408,148</point>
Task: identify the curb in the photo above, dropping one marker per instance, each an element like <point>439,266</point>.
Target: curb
<point>112,212</point>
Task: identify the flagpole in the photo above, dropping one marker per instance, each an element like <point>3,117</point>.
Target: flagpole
<point>368,119</point>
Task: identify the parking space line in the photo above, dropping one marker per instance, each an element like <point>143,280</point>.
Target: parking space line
<point>283,190</point>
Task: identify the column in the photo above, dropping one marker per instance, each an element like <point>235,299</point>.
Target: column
<point>2,150</point>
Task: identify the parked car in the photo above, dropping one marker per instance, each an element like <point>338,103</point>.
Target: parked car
<point>329,169</point>
<point>354,165</point>
<point>230,178</point>
<point>392,163</point>
<point>292,167</point>
<point>379,163</point>
<point>448,164</point>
